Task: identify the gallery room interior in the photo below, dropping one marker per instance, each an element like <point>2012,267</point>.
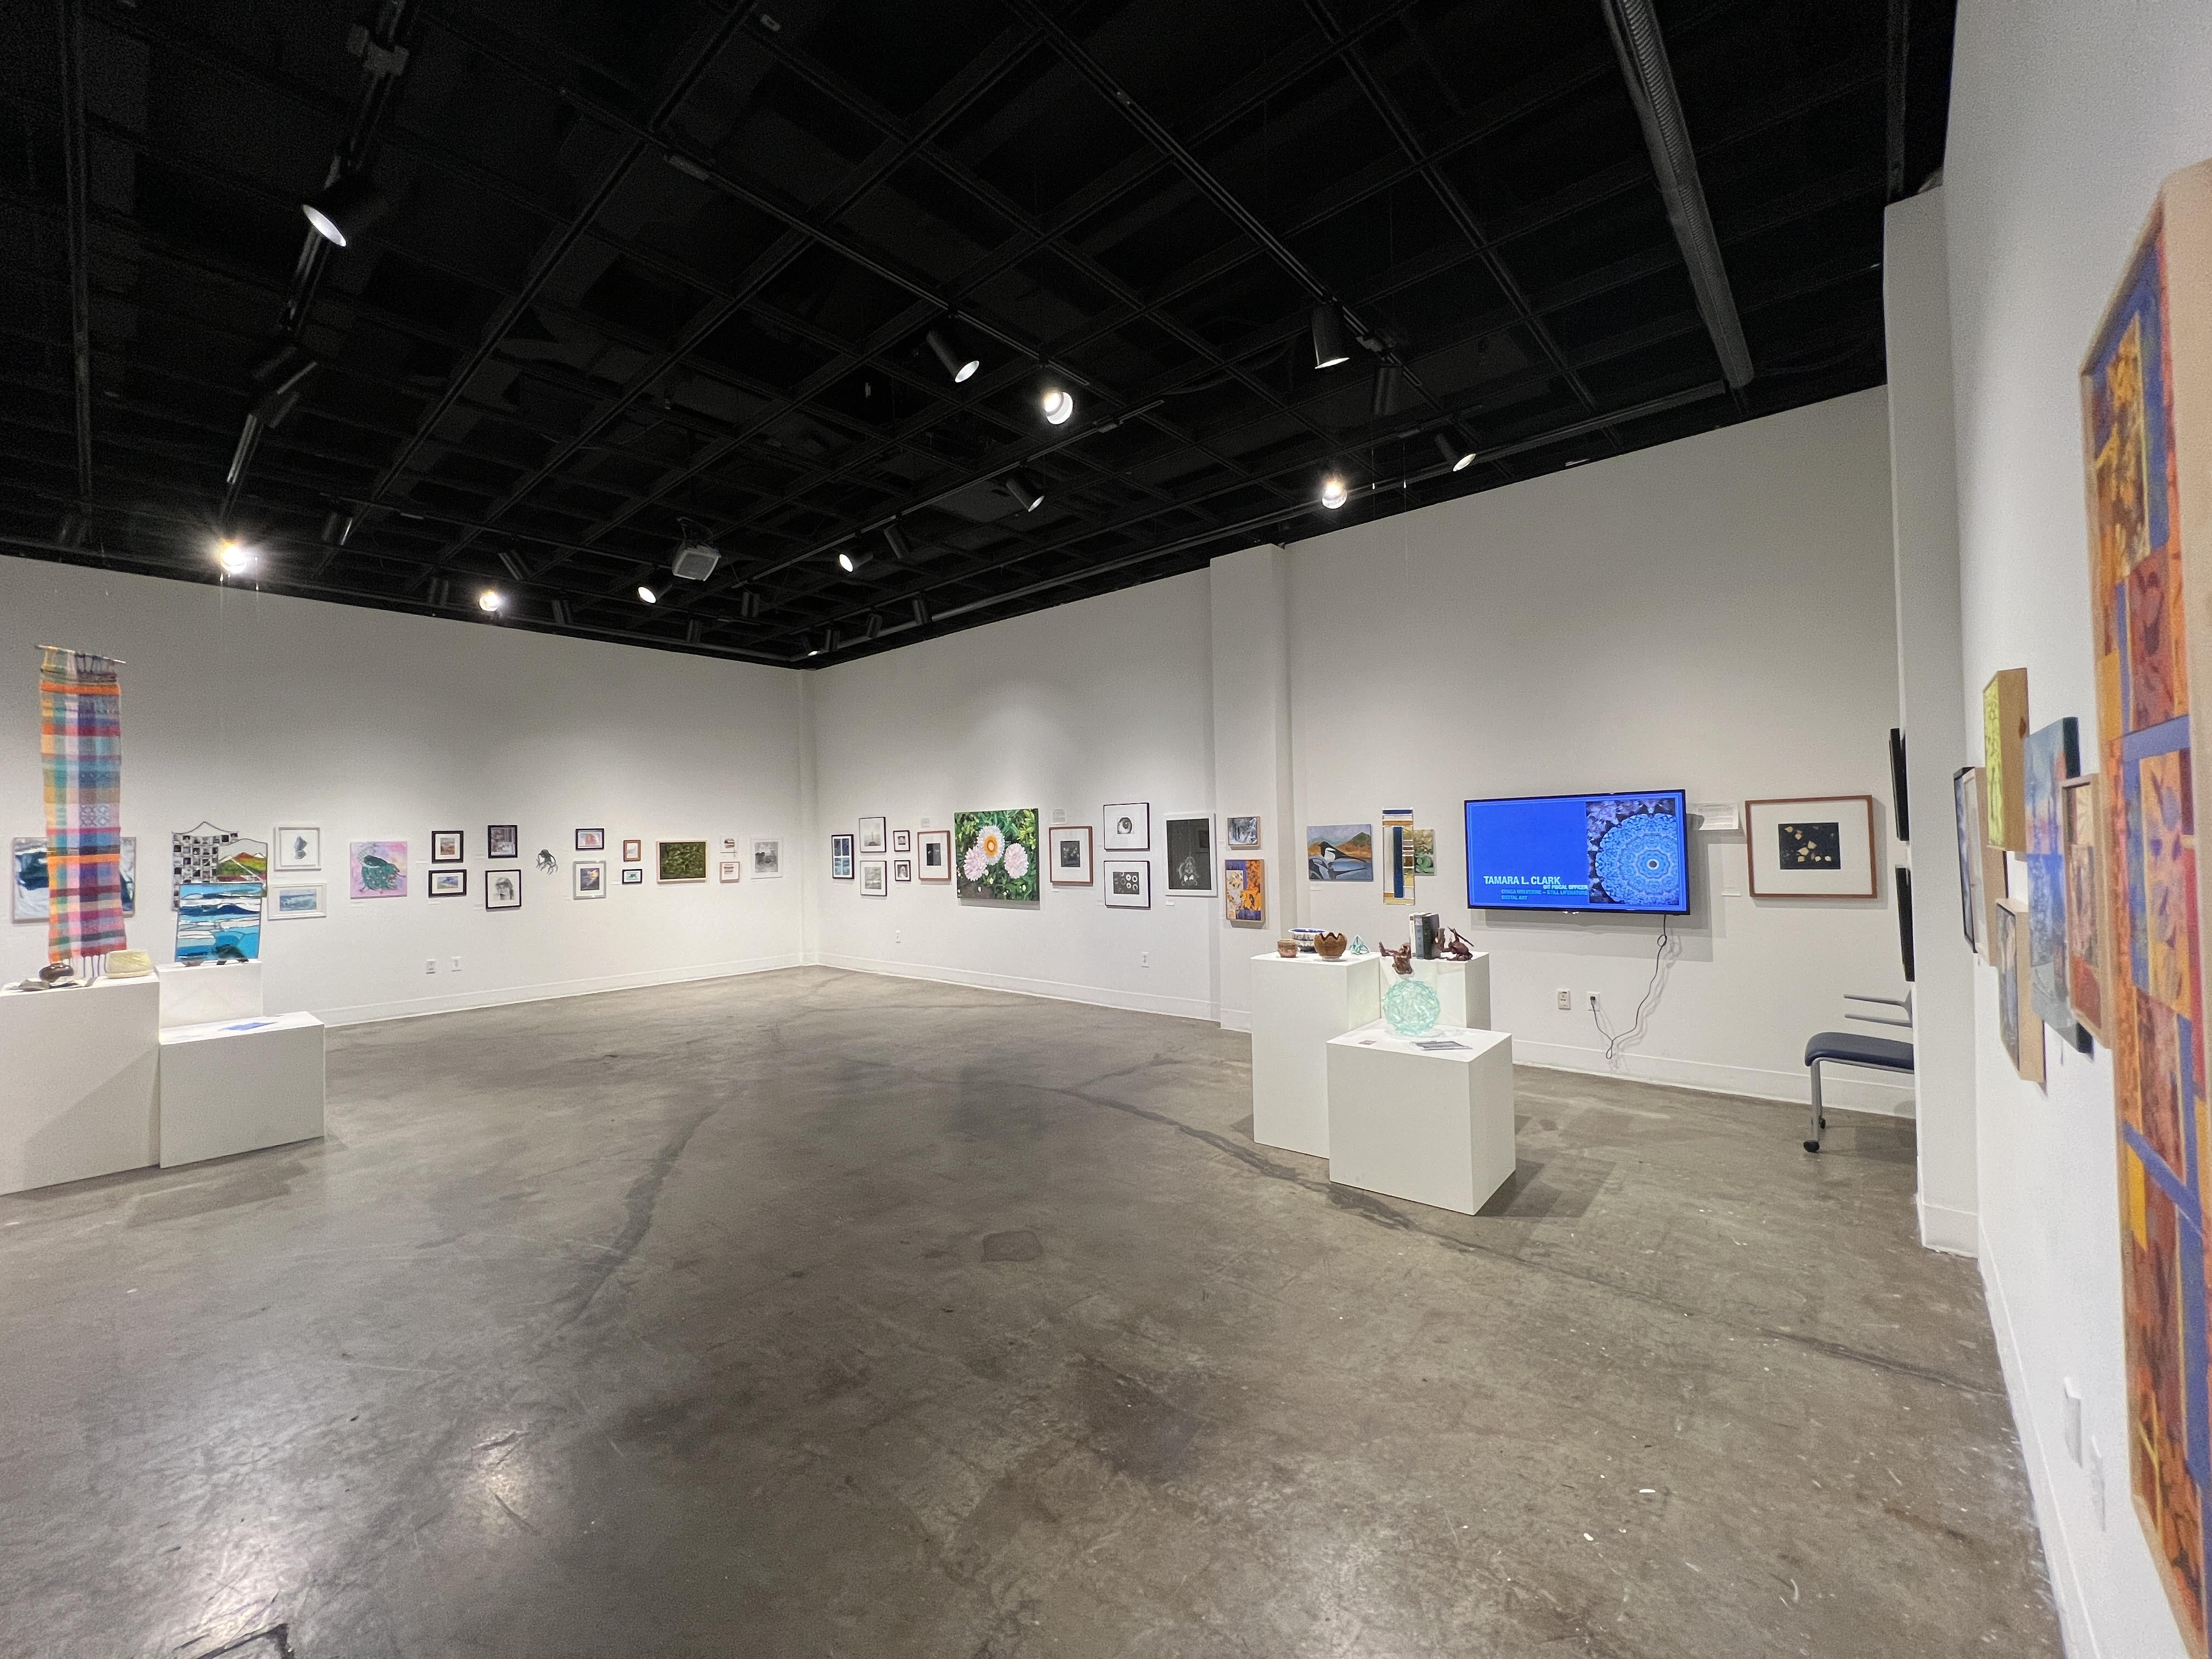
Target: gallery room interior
<point>1108,829</point>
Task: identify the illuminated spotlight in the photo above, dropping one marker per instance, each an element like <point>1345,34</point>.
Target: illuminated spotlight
<point>235,558</point>
<point>345,209</point>
<point>957,363</point>
<point>1023,491</point>
<point>1329,349</point>
<point>1333,492</point>
<point>1459,459</point>
<point>1059,406</point>
<point>489,599</point>
<point>647,594</point>
<point>851,560</point>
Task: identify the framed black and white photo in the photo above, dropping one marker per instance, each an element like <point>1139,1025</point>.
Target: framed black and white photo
<point>1190,840</point>
<point>634,876</point>
<point>875,880</point>
<point>1126,826</point>
<point>840,858</point>
<point>449,884</point>
<point>873,835</point>
<point>446,846</point>
<point>1067,854</point>
<point>591,841</point>
<point>902,841</point>
<point>588,878</point>
<point>1128,884</point>
<point>502,889</point>
<point>1811,846</point>
<point>1240,833</point>
<point>297,847</point>
<point>933,854</point>
<point>901,869</point>
<point>768,858</point>
<point>503,841</point>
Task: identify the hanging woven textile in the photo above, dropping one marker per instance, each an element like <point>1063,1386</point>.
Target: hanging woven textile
<point>80,741</point>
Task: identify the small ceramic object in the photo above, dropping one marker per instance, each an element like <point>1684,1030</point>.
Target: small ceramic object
<point>1304,936</point>
<point>1286,947</point>
<point>1329,946</point>
<point>1456,948</point>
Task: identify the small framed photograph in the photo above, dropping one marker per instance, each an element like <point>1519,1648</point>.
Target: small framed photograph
<point>873,836</point>
<point>1240,833</point>
<point>902,841</point>
<point>299,847</point>
<point>933,854</point>
<point>729,869</point>
<point>502,889</point>
<point>682,860</point>
<point>1191,854</point>
<point>632,876</point>
<point>503,841</point>
<point>1811,846</point>
<point>768,858</point>
<point>901,869</point>
<point>633,851</point>
<point>591,841</point>
<point>1128,827</point>
<point>873,881</point>
<point>297,903</point>
<point>449,884</point>
<point>840,858</point>
<point>1129,884</point>
<point>1067,854</point>
<point>446,846</point>
<point>587,878</point>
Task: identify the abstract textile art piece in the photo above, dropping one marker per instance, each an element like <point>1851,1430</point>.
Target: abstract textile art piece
<point>995,854</point>
<point>2149,374</point>
<point>80,743</point>
<point>221,881</point>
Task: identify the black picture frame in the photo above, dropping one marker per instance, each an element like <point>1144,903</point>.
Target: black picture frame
<point>502,889</point>
<point>439,839</point>
<point>448,884</point>
<point>632,875</point>
<point>591,841</point>
<point>503,841</point>
<point>1900,799</point>
<point>840,858</point>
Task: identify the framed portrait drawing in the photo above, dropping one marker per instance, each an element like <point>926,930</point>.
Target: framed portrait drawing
<point>446,846</point>
<point>901,869</point>
<point>933,854</point>
<point>503,841</point>
<point>875,881</point>
<point>449,884</point>
<point>502,889</point>
<point>1189,838</point>
<point>591,841</point>
<point>587,878</point>
<point>1128,884</point>
<point>297,847</point>
<point>1240,833</point>
<point>681,861</point>
<point>768,858</point>
<point>632,876</point>
<point>633,851</point>
<point>873,836</point>
<point>1811,846</point>
<point>840,858</point>
<point>1067,854</point>
<point>902,841</point>
<point>1127,827</point>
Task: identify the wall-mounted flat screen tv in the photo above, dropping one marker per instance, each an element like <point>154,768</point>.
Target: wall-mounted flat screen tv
<point>1628,853</point>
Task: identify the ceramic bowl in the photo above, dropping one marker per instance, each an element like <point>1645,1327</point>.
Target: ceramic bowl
<point>1286,947</point>
<point>1329,947</point>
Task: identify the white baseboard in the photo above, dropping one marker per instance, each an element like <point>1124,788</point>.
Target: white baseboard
<point>1942,1228</point>
<point>1136,1002</point>
<point>1838,1089</point>
<point>1236,1019</point>
<point>414,1007</point>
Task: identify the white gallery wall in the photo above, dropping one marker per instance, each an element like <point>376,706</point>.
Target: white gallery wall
<point>2064,120</point>
<point>252,710</point>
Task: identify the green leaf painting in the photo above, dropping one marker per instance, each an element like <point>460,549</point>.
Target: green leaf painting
<point>683,860</point>
<point>995,854</point>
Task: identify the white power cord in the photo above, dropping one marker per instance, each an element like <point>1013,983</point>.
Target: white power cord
<point>1618,1042</point>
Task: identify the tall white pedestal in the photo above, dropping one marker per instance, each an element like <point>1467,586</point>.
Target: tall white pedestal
<point>78,1082</point>
<point>1298,1003</point>
<point>202,992</point>
<point>1463,988</point>
<point>237,1085</point>
<point>1434,1125</point>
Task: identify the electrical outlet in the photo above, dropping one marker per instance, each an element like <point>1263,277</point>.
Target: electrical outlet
<point>457,964</point>
<point>430,964</point>
<point>1566,1001</point>
<point>2073,1396</point>
<point>1144,958</point>
<point>897,938</point>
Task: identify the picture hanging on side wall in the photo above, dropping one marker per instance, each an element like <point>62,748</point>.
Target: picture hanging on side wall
<point>1189,838</point>
<point>1341,852</point>
<point>2088,905</point>
<point>27,865</point>
<point>2048,758</point>
<point>841,857</point>
<point>682,860</point>
<point>632,876</point>
<point>1067,854</point>
<point>902,841</point>
<point>591,841</point>
<point>1241,832</point>
<point>1245,890</point>
<point>1128,884</point>
<point>1127,827</point>
<point>875,882</point>
<point>1393,859</point>
<point>503,841</point>
<point>997,854</point>
<point>502,889</point>
<point>587,878</point>
<point>901,869</point>
<point>297,847</point>
<point>1811,846</point>
<point>2004,729</point>
<point>633,851</point>
<point>376,869</point>
<point>874,835</point>
<point>729,869</point>
<point>298,904</point>
<point>446,846</point>
<point>448,883</point>
<point>219,905</point>
<point>932,852</point>
<point>2018,1028</point>
<point>768,859</point>
<point>129,867</point>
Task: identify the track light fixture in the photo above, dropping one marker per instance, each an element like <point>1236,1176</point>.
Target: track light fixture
<point>489,600</point>
<point>749,604</point>
<point>875,626</point>
<point>1329,349</point>
<point>286,375</point>
<point>1058,405</point>
<point>1448,446</point>
<point>235,556</point>
<point>958,362</point>
<point>647,594</point>
<point>1334,495</point>
<point>1019,486</point>
<point>1389,383</point>
<point>854,560</point>
<point>895,540</point>
<point>346,209</point>
<point>921,611</point>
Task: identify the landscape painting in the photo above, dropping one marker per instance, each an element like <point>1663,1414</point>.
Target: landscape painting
<point>26,866</point>
<point>1341,852</point>
<point>219,921</point>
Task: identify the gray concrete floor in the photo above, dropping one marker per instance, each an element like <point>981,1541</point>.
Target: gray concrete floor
<point>820,1313</point>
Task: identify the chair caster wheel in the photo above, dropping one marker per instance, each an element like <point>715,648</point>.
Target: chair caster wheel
<point>1812,1146</point>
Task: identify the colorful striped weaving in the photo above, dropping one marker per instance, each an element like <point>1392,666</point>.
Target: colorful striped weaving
<point>80,741</point>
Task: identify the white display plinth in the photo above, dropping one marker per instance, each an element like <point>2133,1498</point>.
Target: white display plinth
<point>236,1085</point>
<point>1463,988</point>
<point>202,992</point>
<point>1434,1125</point>
<point>1298,1003</point>
<point>79,1082</point>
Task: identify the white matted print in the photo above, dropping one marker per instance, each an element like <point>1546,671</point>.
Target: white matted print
<point>297,847</point>
<point>502,889</point>
<point>1126,826</point>
<point>902,841</point>
<point>297,903</point>
<point>875,882</point>
<point>874,836</point>
<point>1190,840</point>
<point>933,854</point>
<point>1812,847</point>
<point>768,858</point>
<point>587,878</point>
<point>1128,884</point>
<point>729,868</point>
<point>1240,833</point>
<point>901,869</point>
<point>1067,854</point>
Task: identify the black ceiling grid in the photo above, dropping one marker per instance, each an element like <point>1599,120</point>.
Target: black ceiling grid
<point>653,268</point>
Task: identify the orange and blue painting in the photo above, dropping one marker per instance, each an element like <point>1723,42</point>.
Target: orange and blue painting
<point>2138,612</point>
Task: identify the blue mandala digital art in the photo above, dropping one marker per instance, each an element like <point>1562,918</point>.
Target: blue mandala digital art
<point>1636,854</point>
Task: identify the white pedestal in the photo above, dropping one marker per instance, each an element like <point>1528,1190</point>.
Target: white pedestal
<point>1298,1003</point>
<point>78,1082</point>
<point>1463,988</point>
<point>200,994</point>
<point>1434,1125</point>
<point>236,1086</point>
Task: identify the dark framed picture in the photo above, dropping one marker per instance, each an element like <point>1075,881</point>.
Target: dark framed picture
<point>633,876</point>
<point>1242,832</point>
<point>1067,854</point>
<point>633,851</point>
<point>1190,852</point>
<point>933,852</point>
<point>446,846</point>
<point>682,860</point>
<point>873,835</point>
<point>503,841</point>
<point>449,884</point>
<point>902,841</point>
<point>502,889</point>
<point>591,841</point>
<point>901,869</point>
<point>588,878</point>
<point>1128,884</point>
<point>840,858</point>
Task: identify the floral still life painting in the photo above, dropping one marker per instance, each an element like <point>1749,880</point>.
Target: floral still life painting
<point>995,854</point>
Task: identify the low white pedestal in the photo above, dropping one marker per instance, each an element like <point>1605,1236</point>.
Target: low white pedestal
<point>199,994</point>
<point>236,1086</point>
<point>1434,1125</point>
<point>78,1082</point>
<point>1298,1003</point>
<point>1463,988</point>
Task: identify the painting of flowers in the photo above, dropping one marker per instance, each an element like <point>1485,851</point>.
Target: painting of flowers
<point>996,854</point>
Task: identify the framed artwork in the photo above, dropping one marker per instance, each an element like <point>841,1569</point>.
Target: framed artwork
<point>297,847</point>
<point>1241,832</point>
<point>2004,729</point>
<point>875,878</point>
<point>2082,816</point>
<point>633,851</point>
<point>591,841</point>
<point>682,860</point>
<point>448,883</point>
<point>902,841</point>
<point>1812,847</point>
<point>1189,839</point>
<point>729,869</point>
<point>127,870</point>
<point>768,859</point>
<point>998,854</point>
<point>27,865</point>
<point>503,841</point>
<point>1245,890</point>
<point>502,889</point>
<point>1067,854</point>
<point>1395,859</point>
<point>874,837</point>
<point>632,876</point>
<point>446,846</point>
<point>840,858</point>
<point>376,869</point>
<point>1340,851</point>
<point>299,904</point>
<point>1128,827</point>
<point>901,869</point>
<point>1966,805</point>
<point>932,853</point>
<point>2048,759</point>
<point>587,878</point>
<point>2018,1028</point>
<point>1128,884</point>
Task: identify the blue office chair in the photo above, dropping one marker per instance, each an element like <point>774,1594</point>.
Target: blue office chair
<point>1855,1049</point>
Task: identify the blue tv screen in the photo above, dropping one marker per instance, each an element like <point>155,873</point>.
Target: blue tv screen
<point>1628,853</point>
